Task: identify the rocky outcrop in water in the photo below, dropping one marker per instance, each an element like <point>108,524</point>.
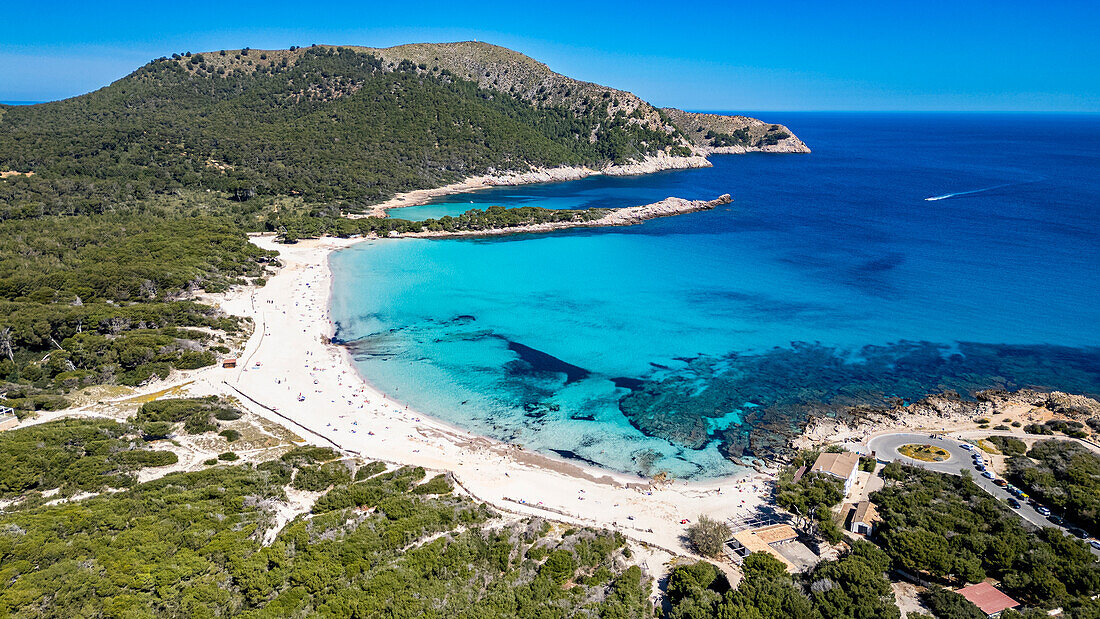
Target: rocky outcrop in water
<point>627,216</point>
<point>830,393</point>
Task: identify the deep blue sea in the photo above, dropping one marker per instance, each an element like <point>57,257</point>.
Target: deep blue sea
<point>834,279</point>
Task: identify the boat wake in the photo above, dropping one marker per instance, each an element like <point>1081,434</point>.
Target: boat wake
<point>967,193</point>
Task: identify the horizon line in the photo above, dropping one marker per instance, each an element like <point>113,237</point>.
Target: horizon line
<point>23,102</point>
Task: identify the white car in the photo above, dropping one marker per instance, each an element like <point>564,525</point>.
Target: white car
<point>967,446</point>
<point>989,475</point>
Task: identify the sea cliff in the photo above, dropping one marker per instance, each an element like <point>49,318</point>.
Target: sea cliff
<point>734,134</point>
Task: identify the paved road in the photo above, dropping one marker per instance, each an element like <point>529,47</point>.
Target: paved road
<point>886,449</point>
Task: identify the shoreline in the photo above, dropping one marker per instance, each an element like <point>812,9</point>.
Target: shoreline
<point>649,165</point>
<point>289,354</point>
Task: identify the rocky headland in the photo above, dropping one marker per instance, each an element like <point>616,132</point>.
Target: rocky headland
<point>627,216</point>
<point>648,165</point>
<point>726,134</point>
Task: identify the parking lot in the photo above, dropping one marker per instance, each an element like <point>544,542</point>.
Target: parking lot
<point>886,447</point>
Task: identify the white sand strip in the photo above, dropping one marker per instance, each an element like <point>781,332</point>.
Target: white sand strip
<point>287,358</point>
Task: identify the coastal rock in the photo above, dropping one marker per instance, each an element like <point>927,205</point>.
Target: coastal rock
<point>648,165</point>
<point>657,163</point>
<point>809,393</point>
<point>725,134</point>
<point>627,216</point>
<point>1070,405</point>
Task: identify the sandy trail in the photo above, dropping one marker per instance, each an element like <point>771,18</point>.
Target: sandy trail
<point>290,375</point>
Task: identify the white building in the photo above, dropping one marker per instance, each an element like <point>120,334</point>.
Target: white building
<point>844,465</point>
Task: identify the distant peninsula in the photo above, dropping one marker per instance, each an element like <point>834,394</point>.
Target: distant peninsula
<point>342,129</point>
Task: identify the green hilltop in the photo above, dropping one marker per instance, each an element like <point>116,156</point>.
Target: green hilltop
<point>118,205</point>
<point>321,124</point>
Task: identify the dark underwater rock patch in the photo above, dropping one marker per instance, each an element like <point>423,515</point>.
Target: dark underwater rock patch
<point>538,362</point>
<point>789,386</point>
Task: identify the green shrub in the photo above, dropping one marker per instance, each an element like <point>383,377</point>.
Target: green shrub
<point>195,413</point>
<point>1008,445</point>
<point>440,484</point>
<point>228,456</point>
<point>369,469</point>
<point>559,566</point>
<point>155,430</point>
<point>708,536</point>
<point>317,478</point>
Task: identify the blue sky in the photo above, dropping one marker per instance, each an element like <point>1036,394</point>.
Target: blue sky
<point>962,55</point>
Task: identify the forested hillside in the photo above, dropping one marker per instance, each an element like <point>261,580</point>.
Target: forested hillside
<point>378,543</point>
<point>321,124</point>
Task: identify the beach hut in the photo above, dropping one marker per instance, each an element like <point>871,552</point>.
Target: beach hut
<point>229,363</point>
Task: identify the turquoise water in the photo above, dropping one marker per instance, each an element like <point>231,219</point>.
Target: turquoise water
<point>832,280</point>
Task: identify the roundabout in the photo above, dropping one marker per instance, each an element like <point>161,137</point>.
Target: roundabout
<point>924,452</point>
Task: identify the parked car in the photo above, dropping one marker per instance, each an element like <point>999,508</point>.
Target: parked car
<point>1014,503</point>
<point>967,446</point>
<point>1055,519</point>
<point>1000,482</point>
<point>1042,510</point>
<point>980,467</point>
<point>987,475</point>
<point>1078,532</point>
<point>1095,544</point>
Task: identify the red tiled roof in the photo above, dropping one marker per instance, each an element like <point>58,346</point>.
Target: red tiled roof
<point>988,598</point>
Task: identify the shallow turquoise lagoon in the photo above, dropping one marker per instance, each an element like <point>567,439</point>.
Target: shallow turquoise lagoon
<point>832,280</point>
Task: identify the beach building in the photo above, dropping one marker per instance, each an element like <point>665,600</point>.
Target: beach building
<point>988,598</point>
<point>844,465</point>
<point>860,517</point>
<point>8,420</point>
<point>762,539</point>
<point>229,363</point>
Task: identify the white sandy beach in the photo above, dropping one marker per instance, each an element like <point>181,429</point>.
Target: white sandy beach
<point>287,357</point>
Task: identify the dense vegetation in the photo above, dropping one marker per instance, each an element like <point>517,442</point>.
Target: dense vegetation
<point>197,415</point>
<point>949,530</point>
<point>73,455</point>
<point>193,544</point>
<point>1076,429</point>
<point>812,497</point>
<point>1063,476</point>
<point>293,227</point>
<point>853,586</point>
<point>323,124</point>
<point>1007,445</point>
<point>86,300</point>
